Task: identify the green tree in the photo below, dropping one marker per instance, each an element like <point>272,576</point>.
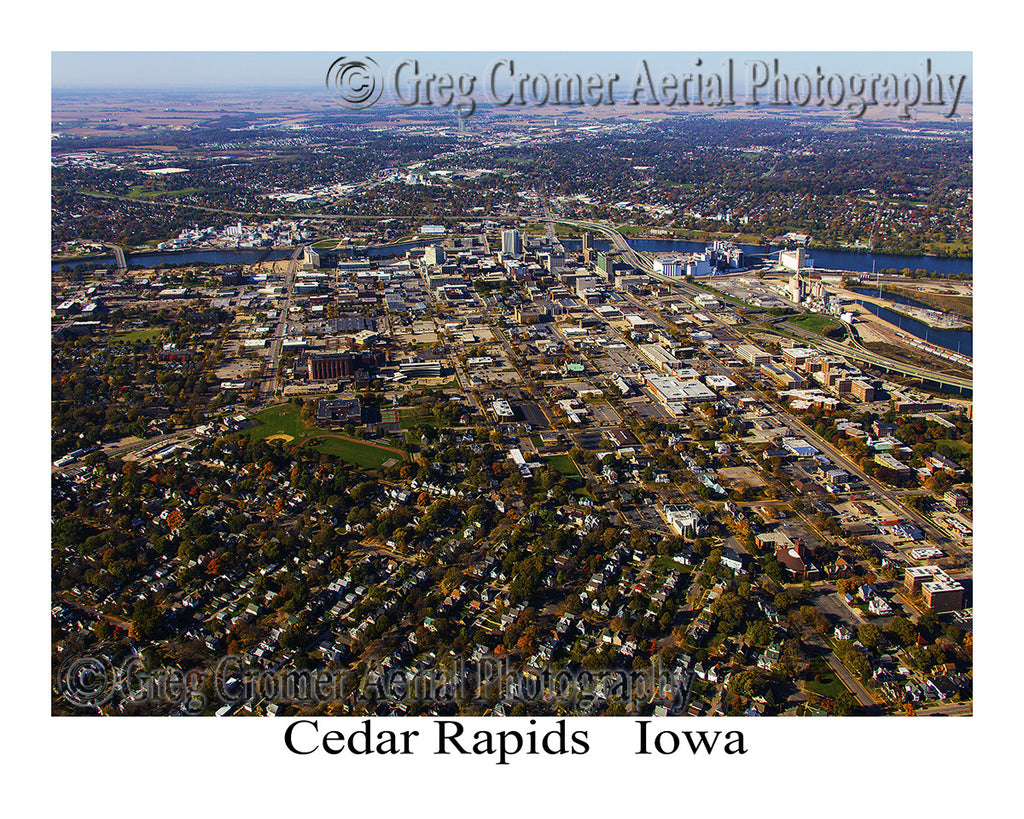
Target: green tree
<point>903,630</point>
<point>814,618</point>
<point>759,633</point>
<point>844,704</point>
<point>869,634</point>
<point>144,621</point>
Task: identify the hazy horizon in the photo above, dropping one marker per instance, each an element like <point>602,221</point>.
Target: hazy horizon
<point>191,71</point>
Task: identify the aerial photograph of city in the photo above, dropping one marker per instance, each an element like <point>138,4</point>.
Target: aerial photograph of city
<point>527,385</point>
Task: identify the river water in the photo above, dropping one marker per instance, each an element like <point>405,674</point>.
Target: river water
<point>959,341</point>
<point>893,297</point>
<point>824,259</point>
<point>241,255</point>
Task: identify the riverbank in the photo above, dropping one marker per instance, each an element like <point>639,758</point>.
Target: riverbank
<point>951,255</point>
<point>954,304</point>
<point>878,325</point>
<point>934,319</point>
<point>151,251</point>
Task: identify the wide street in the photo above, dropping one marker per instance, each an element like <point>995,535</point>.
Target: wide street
<point>268,382</point>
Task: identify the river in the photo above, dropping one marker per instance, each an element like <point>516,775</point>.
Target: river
<point>825,259</point>
<point>959,341</point>
<point>893,297</point>
<point>866,262</point>
<point>241,255</point>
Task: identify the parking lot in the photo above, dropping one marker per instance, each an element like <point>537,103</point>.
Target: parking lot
<point>533,415</point>
<point>604,415</point>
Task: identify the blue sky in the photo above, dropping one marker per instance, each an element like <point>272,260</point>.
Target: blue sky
<point>239,69</point>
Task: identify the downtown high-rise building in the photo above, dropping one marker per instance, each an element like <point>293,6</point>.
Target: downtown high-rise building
<point>588,247</point>
<point>511,245</point>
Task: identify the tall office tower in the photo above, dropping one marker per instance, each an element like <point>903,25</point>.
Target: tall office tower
<point>588,246</point>
<point>434,255</point>
<point>510,243</point>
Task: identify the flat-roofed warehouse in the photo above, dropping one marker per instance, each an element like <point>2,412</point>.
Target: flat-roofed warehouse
<point>676,395</point>
<point>640,323</point>
<point>659,356</point>
<point>721,382</point>
<point>503,409</point>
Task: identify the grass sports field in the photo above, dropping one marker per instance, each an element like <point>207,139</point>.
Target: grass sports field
<point>284,422</point>
<point>136,335</point>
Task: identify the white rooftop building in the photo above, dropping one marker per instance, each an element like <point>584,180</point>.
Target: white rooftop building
<point>676,395</point>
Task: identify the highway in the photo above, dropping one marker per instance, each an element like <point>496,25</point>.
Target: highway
<point>857,352</point>
<point>890,496</point>
<point>864,697</point>
<point>641,261</point>
<point>552,239</point>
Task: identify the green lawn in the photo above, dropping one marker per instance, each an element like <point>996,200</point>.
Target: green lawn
<point>282,420</point>
<point>142,192</point>
<point>408,417</point>
<point>957,248</point>
<point>962,447</point>
<point>563,463</point>
<point>356,453</point>
<point>828,684</point>
<point>131,336</point>
<point>665,564</point>
<point>815,323</point>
